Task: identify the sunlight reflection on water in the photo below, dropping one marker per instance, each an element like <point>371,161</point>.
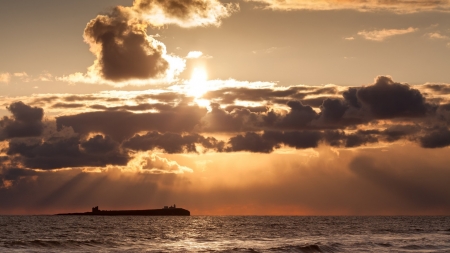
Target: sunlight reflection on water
<point>224,234</point>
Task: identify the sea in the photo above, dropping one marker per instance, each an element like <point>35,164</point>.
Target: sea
<point>224,234</point>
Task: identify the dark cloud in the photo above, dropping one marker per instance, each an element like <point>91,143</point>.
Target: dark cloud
<point>351,98</point>
<point>271,140</point>
<point>436,139</point>
<point>251,142</point>
<point>124,50</point>
<point>58,153</point>
<point>100,144</point>
<point>295,139</point>
<point>17,173</point>
<point>121,125</point>
<point>300,116</point>
<point>172,142</point>
<point>26,121</point>
<point>219,120</point>
<point>332,110</point>
<point>360,138</point>
<point>397,132</point>
<point>350,140</point>
<point>387,99</point>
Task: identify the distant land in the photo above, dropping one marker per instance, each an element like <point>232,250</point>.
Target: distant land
<point>166,211</point>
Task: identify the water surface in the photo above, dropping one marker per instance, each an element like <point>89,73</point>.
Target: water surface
<point>223,234</point>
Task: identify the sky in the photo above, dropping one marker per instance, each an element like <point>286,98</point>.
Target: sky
<point>239,107</point>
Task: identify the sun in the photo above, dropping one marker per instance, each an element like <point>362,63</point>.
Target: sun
<point>198,83</point>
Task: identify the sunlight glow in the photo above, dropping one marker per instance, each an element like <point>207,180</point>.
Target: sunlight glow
<point>197,85</point>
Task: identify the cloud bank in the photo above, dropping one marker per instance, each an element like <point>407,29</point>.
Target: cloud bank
<point>163,142</point>
<point>397,6</point>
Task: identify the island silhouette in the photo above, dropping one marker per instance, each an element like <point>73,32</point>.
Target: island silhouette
<point>166,211</point>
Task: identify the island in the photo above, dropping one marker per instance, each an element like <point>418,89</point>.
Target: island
<point>166,211</point>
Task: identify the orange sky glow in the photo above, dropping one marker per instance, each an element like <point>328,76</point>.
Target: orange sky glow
<point>239,107</point>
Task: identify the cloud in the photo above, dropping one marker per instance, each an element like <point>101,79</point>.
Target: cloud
<point>253,119</point>
<point>381,35</point>
<point>388,99</point>
<point>67,106</point>
<point>184,13</point>
<point>396,6</point>
<point>437,35</point>
<point>436,139</point>
<point>26,121</point>
<point>5,77</point>
<point>122,125</point>
<point>172,143</point>
<point>68,152</point>
<point>155,164</point>
<point>271,140</point>
<point>124,51</point>
<point>194,55</point>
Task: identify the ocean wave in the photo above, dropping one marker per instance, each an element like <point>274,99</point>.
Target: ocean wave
<point>52,244</point>
<point>311,248</point>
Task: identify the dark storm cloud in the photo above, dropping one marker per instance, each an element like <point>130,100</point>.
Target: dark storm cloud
<point>122,125</point>
<point>57,153</point>
<point>26,121</point>
<point>386,99</point>
<point>172,142</point>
